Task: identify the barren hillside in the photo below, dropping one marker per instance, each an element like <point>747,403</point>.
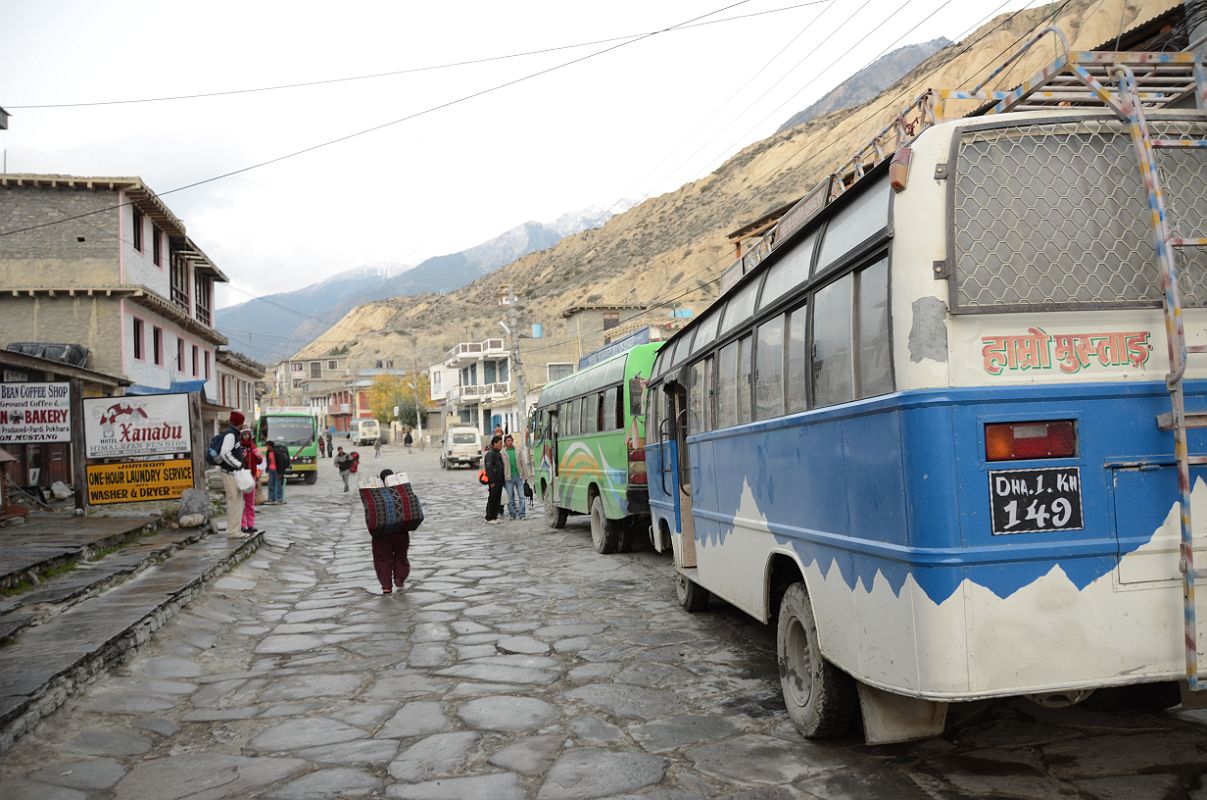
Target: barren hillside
<point>676,244</point>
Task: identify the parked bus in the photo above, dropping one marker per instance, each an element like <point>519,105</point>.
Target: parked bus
<point>298,430</point>
<point>588,430</point>
<point>928,435</point>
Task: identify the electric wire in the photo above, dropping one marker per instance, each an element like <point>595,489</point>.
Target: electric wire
<point>413,70</point>
<point>431,109</point>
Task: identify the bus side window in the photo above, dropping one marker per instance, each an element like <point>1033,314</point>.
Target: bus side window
<point>695,398</point>
<point>830,349</point>
<point>795,384</point>
<point>875,366</point>
<point>708,396</point>
<point>769,378</point>
<point>612,419</point>
<point>744,384</point>
<point>727,383</point>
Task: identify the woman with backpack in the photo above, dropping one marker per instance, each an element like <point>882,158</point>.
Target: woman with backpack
<point>251,461</point>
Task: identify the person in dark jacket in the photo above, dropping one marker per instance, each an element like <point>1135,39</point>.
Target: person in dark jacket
<point>494,474</point>
<point>343,463</point>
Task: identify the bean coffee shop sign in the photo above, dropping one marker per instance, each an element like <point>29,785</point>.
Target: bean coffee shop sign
<point>32,413</point>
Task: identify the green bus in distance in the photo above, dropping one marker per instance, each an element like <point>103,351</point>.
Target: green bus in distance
<point>589,448</point>
<point>297,430</point>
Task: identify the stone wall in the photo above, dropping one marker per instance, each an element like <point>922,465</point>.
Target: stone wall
<point>80,252</point>
<point>94,322</point>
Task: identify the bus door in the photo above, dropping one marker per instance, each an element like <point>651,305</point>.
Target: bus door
<point>551,435</point>
<point>682,478</point>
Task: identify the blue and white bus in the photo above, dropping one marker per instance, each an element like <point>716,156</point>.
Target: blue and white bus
<point>922,435</point>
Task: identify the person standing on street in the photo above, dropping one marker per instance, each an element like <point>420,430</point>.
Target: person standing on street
<point>390,550</point>
<point>322,446</point>
<point>251,460</point>
<point>330,452</point>
<point>517,468</point>
<point>343,463</point>
<point>230,460</point>
<point>276,480</point>
<point>495,478</point>
<point>377,448</point>
<point>408,440</point>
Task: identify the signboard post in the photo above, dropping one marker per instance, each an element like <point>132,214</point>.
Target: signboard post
<point>79,476</point>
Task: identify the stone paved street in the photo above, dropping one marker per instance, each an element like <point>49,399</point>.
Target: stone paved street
<point>517,663</point>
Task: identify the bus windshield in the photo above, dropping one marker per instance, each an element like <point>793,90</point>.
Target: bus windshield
<point>292,430</point>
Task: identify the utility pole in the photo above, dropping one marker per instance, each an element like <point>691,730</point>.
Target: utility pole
<point>415,393</point>
<point>517,365</point>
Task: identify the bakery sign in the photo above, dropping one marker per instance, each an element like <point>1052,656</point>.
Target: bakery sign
<point>31,413</point>
<point>142,425</point>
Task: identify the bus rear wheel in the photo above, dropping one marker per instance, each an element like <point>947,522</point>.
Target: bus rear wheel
<point>605,533</point>
<point>692,596</point>
<point>820,697</point>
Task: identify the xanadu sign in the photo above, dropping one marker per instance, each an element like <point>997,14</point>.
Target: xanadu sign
<point>145,425</point>
<point>35,412</point>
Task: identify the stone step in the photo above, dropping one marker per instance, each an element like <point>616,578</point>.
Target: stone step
<point>88,577</point>
<point>45,664</point>
<point>48,541</point>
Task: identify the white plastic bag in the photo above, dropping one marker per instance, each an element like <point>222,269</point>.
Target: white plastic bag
<point>244,480</point>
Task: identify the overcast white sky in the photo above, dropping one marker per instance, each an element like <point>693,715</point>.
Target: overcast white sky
<point>636,121</point>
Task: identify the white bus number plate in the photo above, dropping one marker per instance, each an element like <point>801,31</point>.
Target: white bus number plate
<point>1035,500</point>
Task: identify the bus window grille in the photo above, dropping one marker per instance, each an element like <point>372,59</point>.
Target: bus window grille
<point>1052,216</point>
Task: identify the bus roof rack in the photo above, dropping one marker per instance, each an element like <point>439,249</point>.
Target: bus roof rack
<point>1076,79</point>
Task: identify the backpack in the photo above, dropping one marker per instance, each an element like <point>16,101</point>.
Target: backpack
<point>283,459</point>
<point>214,451</point>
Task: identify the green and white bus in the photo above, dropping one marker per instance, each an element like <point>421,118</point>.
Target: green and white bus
<point>589,434</point>
<point>297,429</point>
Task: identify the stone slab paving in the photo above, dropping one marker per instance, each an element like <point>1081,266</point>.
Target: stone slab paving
<point>50,537</point>
<point>517,663</point>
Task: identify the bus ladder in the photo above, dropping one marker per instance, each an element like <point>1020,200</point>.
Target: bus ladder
<point>1143,81</point>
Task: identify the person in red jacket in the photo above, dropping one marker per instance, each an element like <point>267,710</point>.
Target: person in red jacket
<point>252,461</point>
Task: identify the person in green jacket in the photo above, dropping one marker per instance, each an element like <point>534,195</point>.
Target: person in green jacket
<point>517,468</point>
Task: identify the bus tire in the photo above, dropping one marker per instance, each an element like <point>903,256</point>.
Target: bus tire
<point>556,517</point>
<point>605,533</point>
<point>692,596</point>
<point>821,698</point>
<point>312,478</point>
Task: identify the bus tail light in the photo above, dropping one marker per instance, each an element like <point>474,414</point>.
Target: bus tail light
<point>898,169</point>
<point>637,471</point>
<point>1014,441</point>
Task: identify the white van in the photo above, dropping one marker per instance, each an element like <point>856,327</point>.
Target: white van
<point>364,432</point>
<point>462,445</point>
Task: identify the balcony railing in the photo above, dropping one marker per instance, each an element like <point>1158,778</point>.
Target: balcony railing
<point>486,391</point>
<point>472,351</point>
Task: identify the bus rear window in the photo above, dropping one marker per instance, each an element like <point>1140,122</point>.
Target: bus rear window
<point>1055,216</point>
<point>464,438</point>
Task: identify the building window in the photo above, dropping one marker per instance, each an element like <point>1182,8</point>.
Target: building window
<point>316,369</point>
<point>205,298</point>
<point>559,371</point>
<point>332,365</point>
<point>157,345</point>
<point>194,361</point>
<point>611,319</point>
<point>207,365</point>
<point>136,239</point>
<point>156,247</point>
<point>138,339</point>
<point>180,355</point>
<point>297,366</point>
<point>180,283</point>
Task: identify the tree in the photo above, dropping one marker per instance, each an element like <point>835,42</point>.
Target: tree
<point>389,391</point>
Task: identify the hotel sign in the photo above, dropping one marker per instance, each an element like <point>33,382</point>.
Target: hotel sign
<point>141,425</point>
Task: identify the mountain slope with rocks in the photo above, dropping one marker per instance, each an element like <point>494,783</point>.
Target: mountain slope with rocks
<point>674,246</point>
